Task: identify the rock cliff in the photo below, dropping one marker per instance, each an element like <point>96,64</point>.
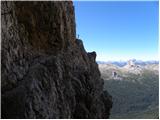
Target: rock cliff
<point>45,70</point>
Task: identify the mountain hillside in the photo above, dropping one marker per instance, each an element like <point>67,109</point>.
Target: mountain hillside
<point>134,89</point>
<point>46,72</point>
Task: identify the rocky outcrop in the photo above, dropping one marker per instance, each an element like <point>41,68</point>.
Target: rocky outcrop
<point>46,73</point>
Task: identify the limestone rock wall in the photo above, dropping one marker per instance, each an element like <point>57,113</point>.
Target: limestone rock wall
<point>46,72</point>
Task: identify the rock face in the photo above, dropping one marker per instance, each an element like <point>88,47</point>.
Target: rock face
<point>46,72</point>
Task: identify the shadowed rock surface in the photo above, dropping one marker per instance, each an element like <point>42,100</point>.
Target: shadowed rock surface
<point>46,72</point>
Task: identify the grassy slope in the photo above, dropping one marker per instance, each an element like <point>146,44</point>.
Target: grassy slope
<point>135,96</point>
<point>149,114</point>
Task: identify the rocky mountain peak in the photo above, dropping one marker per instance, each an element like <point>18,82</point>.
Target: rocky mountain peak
<point>46,72</point>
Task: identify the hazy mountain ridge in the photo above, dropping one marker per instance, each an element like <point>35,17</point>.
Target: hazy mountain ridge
<point>123,63</point>
<point>108,69</point>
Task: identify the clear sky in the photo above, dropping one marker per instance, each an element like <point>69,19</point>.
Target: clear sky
<point>118,30</point>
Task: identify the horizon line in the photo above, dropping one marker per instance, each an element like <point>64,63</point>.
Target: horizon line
<point>116,0</point>
<point>125,60</point>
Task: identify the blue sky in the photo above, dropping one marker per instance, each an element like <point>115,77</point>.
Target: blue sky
<point>118,30</point>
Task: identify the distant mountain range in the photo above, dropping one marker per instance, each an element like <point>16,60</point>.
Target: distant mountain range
<point>134,88</point>
<point>123,63</point>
